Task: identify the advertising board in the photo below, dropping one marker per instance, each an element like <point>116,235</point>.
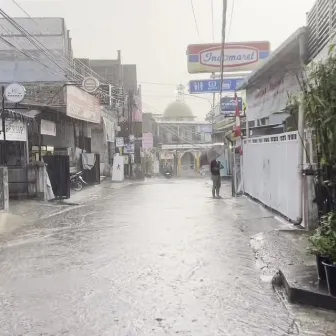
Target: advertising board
<point>238,56</point>
<point>16,130</point>
<point>82,105</point>
<point>228,106</point>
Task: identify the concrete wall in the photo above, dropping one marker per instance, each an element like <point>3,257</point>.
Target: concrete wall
<point>14,66</point>
<point>130,81</point>
<point>4,193</point>
<point>64,137</point>
<point>109,69</point>
<point>99,145</point>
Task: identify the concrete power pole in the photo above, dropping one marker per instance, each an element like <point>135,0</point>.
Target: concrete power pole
<point>223,43</point>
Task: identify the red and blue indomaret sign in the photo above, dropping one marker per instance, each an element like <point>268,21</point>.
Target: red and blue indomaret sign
<point>238,56</point>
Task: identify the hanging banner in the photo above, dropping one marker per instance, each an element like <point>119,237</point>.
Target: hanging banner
<point>16,130</point>
<point>238,56</point>
<point>48,127</point>
<point>147,141</point>
<point>82,105</point>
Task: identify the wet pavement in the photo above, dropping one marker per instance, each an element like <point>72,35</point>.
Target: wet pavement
<point>155,258</point>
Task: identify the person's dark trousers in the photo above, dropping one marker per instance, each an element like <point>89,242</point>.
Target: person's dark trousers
<point>216,184</point>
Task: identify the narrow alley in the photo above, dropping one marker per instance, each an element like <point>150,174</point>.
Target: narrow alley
<point>154,258</point>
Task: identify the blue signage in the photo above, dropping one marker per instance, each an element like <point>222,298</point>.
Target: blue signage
<point>228,106</point>
<point>213,85</point>
<point>129,149</point>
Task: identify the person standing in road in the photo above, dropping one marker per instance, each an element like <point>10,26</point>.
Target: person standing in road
<point>215,168</point>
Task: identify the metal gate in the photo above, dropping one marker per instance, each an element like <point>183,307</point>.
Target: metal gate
<point>270,172</point>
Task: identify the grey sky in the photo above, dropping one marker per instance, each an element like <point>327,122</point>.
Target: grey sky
<point>154,34</point>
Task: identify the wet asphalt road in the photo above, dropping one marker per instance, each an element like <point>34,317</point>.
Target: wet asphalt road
<point>159,258</point>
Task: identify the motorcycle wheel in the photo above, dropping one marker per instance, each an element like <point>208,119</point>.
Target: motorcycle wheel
<point>78,186</point>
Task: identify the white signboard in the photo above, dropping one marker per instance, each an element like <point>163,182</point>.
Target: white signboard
<point>15,130</point>
<point>90,84</point>
<point>15,93</point>
<point>48,127</point>
<point>118,168</point>
<point>119,142</point>
<point>82,105</point>
<point>270,98</point>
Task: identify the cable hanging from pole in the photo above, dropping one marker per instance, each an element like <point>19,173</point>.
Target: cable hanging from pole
<point>193,11</point>
<point>212,21</point>
<point>66,66</point>
<point>89,72</point>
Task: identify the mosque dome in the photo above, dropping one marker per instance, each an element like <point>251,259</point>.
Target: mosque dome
<point>178,110</point>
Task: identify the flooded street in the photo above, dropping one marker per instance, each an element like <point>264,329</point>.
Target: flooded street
<point>154,258</point>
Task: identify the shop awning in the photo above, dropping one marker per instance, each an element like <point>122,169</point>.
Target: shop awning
<point>288,56</point>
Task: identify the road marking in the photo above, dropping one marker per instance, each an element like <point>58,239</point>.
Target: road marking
<point>63,211</point>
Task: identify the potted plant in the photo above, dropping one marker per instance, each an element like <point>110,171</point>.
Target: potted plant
<point>329,232</point>
<point>323,242</point>
<point>318,247</point>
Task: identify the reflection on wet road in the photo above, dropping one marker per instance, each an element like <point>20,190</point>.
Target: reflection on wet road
<point>160,258</point>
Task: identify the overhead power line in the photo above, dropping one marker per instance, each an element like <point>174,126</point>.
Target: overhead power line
<point>65,67</point>
<point>212,21</point>
<point>27,54</point>
<point>231,18</point>
<point>70,63</point>
<point>37,44</point>
<point>193,10</point>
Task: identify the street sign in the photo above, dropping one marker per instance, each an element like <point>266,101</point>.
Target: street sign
<point>119,142</point>
<point>228,106</point>
<point>213,85</point>
<point>129,149</point>
<point>15,93</point>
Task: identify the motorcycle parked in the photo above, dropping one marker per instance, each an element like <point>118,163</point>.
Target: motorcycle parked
<point>76,181</point>
<point>168,174</point>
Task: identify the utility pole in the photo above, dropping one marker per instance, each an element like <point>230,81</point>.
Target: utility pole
<point>213,76</point>
<point>3,120</point>
<point>223,44</point>
<point>130,127</point>
<point>221,86</point>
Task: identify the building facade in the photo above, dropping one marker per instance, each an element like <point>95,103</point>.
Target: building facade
<point>182,139</point>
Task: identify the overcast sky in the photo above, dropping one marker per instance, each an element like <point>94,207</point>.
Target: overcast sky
<point>154,34</point>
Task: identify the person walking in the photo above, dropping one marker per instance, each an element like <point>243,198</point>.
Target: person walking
<point>215,168</point>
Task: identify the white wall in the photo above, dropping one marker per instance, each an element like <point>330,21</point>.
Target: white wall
<point>270,175</point>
